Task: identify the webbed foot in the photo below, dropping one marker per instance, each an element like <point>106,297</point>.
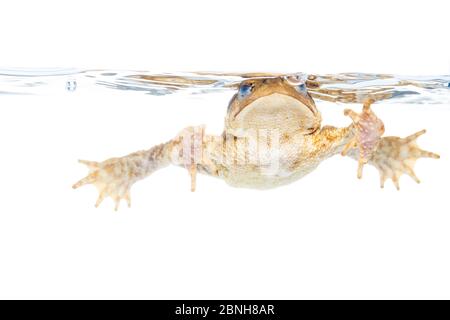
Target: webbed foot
<point>368,131</point>
<point>113,178</point>
<point>396,156</point>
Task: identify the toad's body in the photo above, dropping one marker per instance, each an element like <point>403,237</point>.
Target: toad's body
<point>272,136</point>
<point>280,162</point>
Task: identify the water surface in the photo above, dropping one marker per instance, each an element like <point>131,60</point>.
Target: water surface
<point>342,87</point>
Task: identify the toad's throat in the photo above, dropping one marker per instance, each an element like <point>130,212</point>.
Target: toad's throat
<point>277,112</point>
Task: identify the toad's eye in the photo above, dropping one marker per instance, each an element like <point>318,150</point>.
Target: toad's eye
<point>245,90</point>
<point>301,88</point>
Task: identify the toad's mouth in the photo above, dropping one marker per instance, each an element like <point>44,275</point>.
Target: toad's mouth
<point>278,111</point>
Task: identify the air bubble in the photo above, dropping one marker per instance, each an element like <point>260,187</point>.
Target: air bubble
<point>71,85</point>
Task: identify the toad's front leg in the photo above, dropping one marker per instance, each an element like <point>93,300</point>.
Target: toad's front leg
<point>368,129</point>
<point>114,177</point>
<point>392,156</point>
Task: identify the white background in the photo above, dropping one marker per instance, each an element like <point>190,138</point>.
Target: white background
<point>326,236</point>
